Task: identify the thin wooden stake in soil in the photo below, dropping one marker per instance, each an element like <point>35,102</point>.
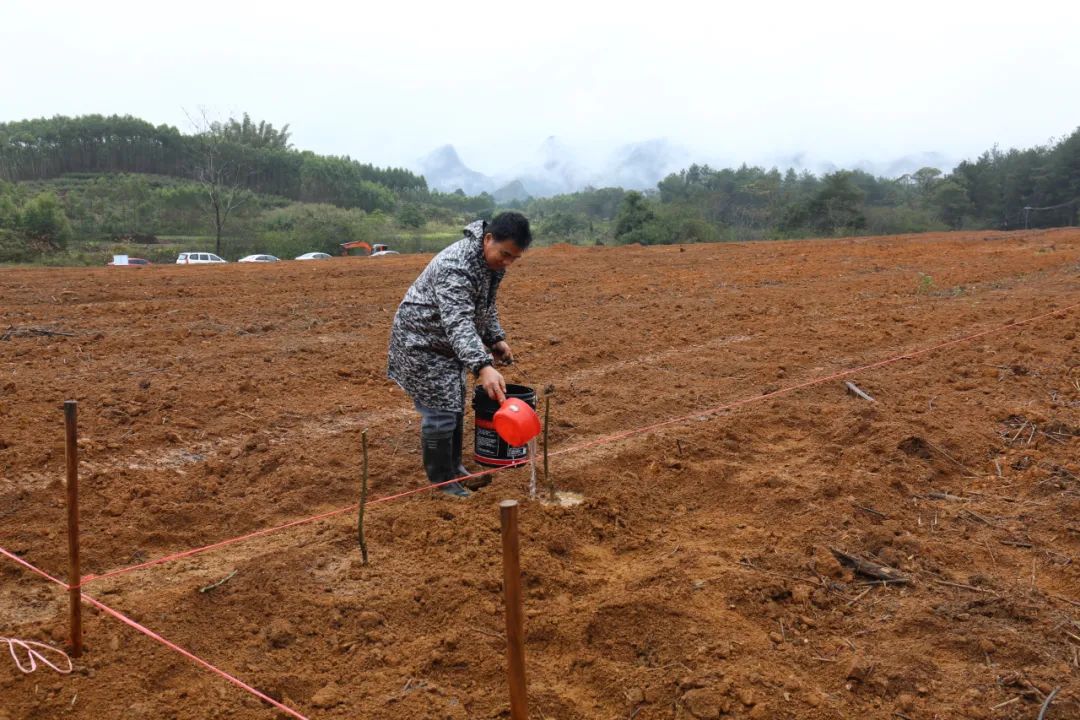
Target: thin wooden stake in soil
<point>515,630</point>
<point>363,501</point>
<point>547,475</point>
<point>219,583</point>
<point>71,409</point>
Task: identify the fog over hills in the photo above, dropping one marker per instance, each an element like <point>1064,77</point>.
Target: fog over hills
<point>556,167</point>
<point>445,171</point>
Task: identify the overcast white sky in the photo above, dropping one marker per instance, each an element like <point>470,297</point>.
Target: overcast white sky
<point>387,82</point>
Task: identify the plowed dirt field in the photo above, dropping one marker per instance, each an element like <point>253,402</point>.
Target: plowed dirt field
<point>696,580</point>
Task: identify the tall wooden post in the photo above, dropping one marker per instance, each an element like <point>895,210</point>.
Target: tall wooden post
<point>363,502</point>
<point>515,626</point>
<point>553,496</point>
<point>71,409</point>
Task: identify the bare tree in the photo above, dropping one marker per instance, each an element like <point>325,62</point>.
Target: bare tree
<point>223,168</point>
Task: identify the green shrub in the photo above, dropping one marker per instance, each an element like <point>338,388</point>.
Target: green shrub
<point>899,220</point>
<point>316,227</point>
<point>14,248</point>
<point>43,218</point>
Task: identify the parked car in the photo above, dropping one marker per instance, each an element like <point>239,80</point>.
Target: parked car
<point>313,256</point>
<point>381,253</point>
<point>131,262</point>
<point>258,258</point>
<point>198,258</point>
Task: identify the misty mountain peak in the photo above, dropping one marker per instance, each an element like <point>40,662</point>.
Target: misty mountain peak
<point>443,158</point>
<point>446,171</point>
<point>557,167</point>
<point>642,164</point>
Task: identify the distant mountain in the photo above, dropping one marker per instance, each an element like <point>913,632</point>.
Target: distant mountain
<point>553,170</point>
<point>513,190</point>
<point>640,166</point>
<point>556,168</point>
<point>445,171</point>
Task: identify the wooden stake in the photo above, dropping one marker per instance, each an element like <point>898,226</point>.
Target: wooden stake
<point>547,475</point>
<point>71,409</point>
<point>363,501</point>
<point>515,630</point>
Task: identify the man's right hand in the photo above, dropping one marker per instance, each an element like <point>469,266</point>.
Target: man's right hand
<point>493,383</point>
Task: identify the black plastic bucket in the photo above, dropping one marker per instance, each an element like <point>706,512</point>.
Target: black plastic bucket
<point>492,450</point>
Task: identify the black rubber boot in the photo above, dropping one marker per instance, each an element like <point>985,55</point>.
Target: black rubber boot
<point>459,437</point>
<point>473,483</point>
<point>439,462</point>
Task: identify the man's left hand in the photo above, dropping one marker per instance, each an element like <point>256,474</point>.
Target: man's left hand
<point>502,352</point>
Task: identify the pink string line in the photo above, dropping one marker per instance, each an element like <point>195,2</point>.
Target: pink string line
<point>610,438</point>
<point>145,631</point>
<point>33,656</point>
<point>33,569</point>
<point>592,443</point>
<point>809,383</point>
<point>194,658</point>
<point>86,580</point>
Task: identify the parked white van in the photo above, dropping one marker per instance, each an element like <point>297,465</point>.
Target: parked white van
<point>198,258</point>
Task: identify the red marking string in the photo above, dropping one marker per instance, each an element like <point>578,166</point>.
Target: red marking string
<point>151,634</point>
<point>592,443</point>
<point>603,440</point>
<point>809,383</point>
<point>33,569</point>
<point>267,531</point>
<point>34,654</point>
<point>194,658</point>
<point>195,551</point>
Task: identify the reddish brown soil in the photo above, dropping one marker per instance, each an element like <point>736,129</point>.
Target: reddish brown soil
<point>695,580</point>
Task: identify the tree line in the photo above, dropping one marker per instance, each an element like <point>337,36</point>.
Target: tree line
<point>46,148</point>
<point>93,178</point>
<point>122,176</point>
<point>1034,187</point>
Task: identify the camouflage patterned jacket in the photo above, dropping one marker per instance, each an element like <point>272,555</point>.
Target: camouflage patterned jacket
<point>445,324</point>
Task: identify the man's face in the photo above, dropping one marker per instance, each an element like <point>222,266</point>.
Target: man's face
<point>500,254</point>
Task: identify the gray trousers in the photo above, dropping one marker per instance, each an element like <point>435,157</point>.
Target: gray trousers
<point>435,420</point>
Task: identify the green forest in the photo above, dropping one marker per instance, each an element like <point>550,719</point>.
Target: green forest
<point>76,190</point>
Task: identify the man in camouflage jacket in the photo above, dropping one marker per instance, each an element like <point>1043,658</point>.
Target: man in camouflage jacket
<point>448,324</point>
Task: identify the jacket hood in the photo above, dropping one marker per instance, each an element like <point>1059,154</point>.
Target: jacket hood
<point>475,230</point>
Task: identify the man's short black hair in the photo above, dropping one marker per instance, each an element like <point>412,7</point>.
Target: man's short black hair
<point>511,226</point>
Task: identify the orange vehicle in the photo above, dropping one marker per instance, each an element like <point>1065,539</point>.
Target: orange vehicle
<point>373,250</point>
